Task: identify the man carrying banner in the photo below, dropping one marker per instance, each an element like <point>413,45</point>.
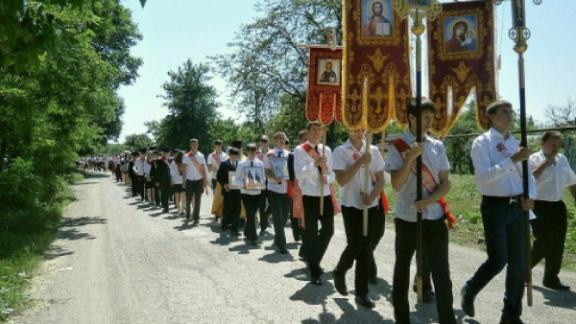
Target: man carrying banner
<point>497,159</point>
<point>401,162</point>
<point>348,162</point>
<point>311,169</point>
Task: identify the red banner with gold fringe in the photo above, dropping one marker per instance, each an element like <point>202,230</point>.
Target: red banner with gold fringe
<point>461,61</point>
<point>324,100</point>
<point>376,49</point>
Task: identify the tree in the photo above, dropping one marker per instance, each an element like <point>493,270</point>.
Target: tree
<point>268,63</point>
<point>138,142</point>
<point>561,116</point>
<point>192,107</point>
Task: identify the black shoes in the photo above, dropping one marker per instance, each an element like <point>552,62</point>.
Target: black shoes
<point>364,301</point>
<point>467,301</point>
<point>511,321</point>
<point>316,281</point>
<point>282,251</point>
<point>428,296</point>
<point>340,283</point>
<point>556,285</point>
<point>373,280</point>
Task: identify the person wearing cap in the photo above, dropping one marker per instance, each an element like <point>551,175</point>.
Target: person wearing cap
<point>264,207</point>
<point>276,166</point>
<point>196,179</point>
<point>401,164</point>
<point>553,174</point>
<point>250,179</point>
<point>230,192</point>
<point>214,160</point>
<point>349,163</point>
<point>497,156</point>
<point>311,161</point>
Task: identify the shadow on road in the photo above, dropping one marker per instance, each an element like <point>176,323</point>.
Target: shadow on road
<point>186,225</point>
<point>556,298</point>
<point>55,251</point>
<point>276,258</point>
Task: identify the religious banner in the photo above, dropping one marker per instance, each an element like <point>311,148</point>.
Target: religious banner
<point>376,56</point>
<point>461,61</point>
<point>324,85</point>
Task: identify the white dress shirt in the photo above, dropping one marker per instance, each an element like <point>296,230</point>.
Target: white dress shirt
<point>435,158</point>
<point>307,172</point>
<point>344,156</point>
<point>240,175</point>
<point>175,175</point>
<point>496,174</point>
<point>192,173</point>
<point>147,169</point>
<point>281,187</point>
<point>554,179</point>
<point>215,160</point>
<point>139,167</point>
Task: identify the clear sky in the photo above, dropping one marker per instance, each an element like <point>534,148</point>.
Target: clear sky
<point>175,30</point>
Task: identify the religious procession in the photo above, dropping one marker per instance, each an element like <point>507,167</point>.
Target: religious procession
<point>366,76</point>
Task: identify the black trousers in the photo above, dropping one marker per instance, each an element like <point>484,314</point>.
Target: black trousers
<point>134,184</point>
<point>165,192</point>
<point>379,226</point>
<point>279,204</point>
<point>251,204</point>
<point>264,209</point>
<point>315,241</point>
<point>435,244</point>
<point>232,209</point>
<point>141,186</point>
<point>359,247</point>
<point>194,190</point>
<point>549,229</point>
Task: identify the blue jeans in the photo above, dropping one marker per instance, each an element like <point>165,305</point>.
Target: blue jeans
<point>505,245</point>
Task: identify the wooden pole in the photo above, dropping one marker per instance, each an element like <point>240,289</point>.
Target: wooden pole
<point>418,29</point>
<point>321,173</point>
<point>366,186</point>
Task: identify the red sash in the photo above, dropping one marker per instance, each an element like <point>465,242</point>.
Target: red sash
<point>197,164</point>
<point>428,182</point>
<point>308,148</point>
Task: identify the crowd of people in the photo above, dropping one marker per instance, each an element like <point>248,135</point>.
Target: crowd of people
<point>252,181</point>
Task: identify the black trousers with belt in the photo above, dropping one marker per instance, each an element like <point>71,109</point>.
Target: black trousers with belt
<point>194,189</point>
<point>251,203</point>
<point>549,229</point>
<point>315,241</point>
<point>231,209</point>
<point>359,247</point>
<point>435,243</point>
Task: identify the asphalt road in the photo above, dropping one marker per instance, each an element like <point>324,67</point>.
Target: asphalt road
<point>117,261</point>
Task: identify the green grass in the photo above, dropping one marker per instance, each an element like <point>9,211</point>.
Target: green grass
<point>22,250</point>
<point>464,202</point>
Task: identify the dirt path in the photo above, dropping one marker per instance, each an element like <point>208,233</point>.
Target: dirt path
<point>115,261</point>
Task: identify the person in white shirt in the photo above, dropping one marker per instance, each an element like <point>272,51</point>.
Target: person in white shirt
<point>276,165</point>
<point>139,171</point>
<point>401,163</point>
<point>196,179</point>
<point>349,162</point>
<point>311,161</point>
<point>497,156</point>
<point>177,175</point>
<point>264,209</point>
<point>250,178</point>
<point>214,160</point>
<point>553,174</point>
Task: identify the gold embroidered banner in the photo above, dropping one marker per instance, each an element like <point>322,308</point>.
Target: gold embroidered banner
<point>324,101</point>
<point>461,60</point>
<point>376,49</point>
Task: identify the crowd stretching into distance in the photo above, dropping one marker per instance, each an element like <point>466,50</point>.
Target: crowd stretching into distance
<point>254,182</point>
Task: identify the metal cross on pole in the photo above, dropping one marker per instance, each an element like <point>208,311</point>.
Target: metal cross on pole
<point>417,11</point>
<point>520,34</point>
